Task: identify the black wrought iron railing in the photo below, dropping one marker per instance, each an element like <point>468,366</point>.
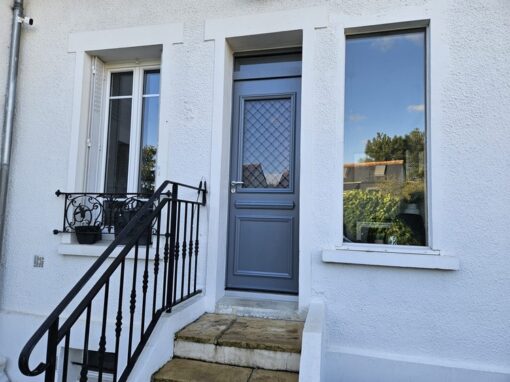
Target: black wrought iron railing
<point>106,211</point>
<point>141,282</point>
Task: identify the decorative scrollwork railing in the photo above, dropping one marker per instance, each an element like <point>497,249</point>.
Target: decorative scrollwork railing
<point>102,210</point>
<point>114,309</point>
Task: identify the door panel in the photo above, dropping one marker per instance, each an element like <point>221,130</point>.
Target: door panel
<point>263,209</point>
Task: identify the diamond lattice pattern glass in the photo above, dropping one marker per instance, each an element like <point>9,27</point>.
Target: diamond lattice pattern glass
<point>267,143</point>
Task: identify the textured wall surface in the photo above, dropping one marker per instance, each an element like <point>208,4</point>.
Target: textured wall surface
<point>456,318</point>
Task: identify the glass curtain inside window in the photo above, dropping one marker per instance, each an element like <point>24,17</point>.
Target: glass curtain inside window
<point>384,154</point>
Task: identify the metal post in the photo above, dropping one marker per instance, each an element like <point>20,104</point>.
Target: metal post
<point>51,352</point>
<point>12,79</point>
<point>173,225</point>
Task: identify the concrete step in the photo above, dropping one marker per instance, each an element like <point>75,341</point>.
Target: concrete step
<point>186,370</point>
<point>262,308</point>
<point>242,341</point>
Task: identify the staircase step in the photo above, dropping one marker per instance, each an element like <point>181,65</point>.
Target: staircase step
<point>262,308</point>
<point>242,341</point>
<point>264,334</point>
<point>261,375</point>
<point>186,370</point>
<point>207,329</point>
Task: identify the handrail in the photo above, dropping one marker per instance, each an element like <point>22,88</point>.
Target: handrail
<point>133,232</point>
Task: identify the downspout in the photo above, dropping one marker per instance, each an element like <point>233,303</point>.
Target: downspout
<point>10,99</point>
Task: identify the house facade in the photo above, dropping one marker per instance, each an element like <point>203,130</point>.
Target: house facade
<point>349,157</point>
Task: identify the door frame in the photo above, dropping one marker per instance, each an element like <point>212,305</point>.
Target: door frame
<point>293,28</point>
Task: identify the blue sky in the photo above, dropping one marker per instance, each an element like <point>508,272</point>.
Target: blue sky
<point>384,89</point>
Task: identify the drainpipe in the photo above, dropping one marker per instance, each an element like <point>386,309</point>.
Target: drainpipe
<point>10,99</point>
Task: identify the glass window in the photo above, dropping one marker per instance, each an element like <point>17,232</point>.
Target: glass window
<point>150,123</point>
<point>132,138</point>
<point>385,142</point>
<point>119,132</point>
<point>267,143</point>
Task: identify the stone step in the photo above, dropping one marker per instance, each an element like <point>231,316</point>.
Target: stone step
<point>242,341</point>
<point>262,308</point>
<point>186,370</point>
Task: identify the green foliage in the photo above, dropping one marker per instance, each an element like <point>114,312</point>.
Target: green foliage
<point>409,148</point>
<point>376,206</point>
<point>147,170</point>
<point>383,148</point>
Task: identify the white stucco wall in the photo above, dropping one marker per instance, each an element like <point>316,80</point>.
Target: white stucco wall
<point>439,319</point>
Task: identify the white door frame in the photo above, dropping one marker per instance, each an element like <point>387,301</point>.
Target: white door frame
<point>224,33</point>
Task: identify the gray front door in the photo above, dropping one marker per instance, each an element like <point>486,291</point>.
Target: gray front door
<point>264,176</point>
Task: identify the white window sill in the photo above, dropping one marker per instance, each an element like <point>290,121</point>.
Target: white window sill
<point>384,256</point>
<point>96,250</point>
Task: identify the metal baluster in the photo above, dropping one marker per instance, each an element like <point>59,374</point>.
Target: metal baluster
<point>196,250</point>
<point>184,248</point>
<point>64,228</point>
<point>145,279</point>
<point>132,305</point>
<point>190,247</point>
<point>156,265</point>
<point>51,352</point>
<point>166,254</point>
<point>118,320</point>
<point>102,340</point>
<point>177,251</point>
<point>172,246</point>
<point>85,361</point>
<point>66,356</point>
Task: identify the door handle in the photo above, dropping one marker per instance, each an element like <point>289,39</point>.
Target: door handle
<point>234,184</point>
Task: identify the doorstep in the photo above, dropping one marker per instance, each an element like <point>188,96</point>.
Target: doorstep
<point>259,307</point>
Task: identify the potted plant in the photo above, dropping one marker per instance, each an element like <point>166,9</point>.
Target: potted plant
<point>88,234</point>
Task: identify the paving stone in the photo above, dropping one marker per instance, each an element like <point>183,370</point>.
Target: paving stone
<point>186,370</point>
<point>206,329</point>
<point>257,333</point>
<point>260,375</point>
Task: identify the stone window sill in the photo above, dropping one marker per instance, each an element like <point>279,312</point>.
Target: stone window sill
<point>96,250</point>
<point>400,257</point>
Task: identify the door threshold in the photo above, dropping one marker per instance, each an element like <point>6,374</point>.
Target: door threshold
<point>251,295</point>
<point>260,305</point>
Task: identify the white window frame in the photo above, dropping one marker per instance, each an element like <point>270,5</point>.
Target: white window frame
<point>132,41</point>
<point>426,257</point>
<point>137,97</point>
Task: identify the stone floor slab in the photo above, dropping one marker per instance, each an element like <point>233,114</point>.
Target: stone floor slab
<point>257,333</point>
<point>207,329</point>
<point>186,370</point>
<point>260,375</point>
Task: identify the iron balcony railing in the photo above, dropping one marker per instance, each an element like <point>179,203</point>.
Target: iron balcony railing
<point>106,211</point>
<point>93,318</point>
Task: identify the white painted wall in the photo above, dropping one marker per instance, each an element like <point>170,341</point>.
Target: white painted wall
<point>379,319</point>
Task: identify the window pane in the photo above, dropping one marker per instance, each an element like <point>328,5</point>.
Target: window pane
<point>119,129</point>
<point>148,154</point>
<point>384,153</point>
<point>150,126</point>
<point>151,82</point>
<point>267,143</point>
<point>122,84</point>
